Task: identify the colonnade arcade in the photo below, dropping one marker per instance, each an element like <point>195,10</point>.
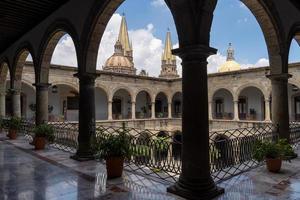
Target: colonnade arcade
<point>193,22</point>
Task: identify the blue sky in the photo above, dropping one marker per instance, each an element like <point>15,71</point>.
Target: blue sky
<point>148,21</point>
<point>233,22</point>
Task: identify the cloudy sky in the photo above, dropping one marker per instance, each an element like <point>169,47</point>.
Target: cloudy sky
<point>148,21</point>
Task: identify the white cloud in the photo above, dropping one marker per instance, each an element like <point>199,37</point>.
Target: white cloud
<point>158,3</point>
<point>217,60</point>
<point>64,53</point>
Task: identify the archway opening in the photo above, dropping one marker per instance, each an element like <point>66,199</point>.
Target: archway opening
<point>143,105</point>
<point>251,104</point>
<point>121,105</point>
<point>4,81</point>
<point>63,103</point>
<point>294,102</point>
<point>101,104</point>
<point>177,105</point>
<point>223,106</point>
<point>161,105</point>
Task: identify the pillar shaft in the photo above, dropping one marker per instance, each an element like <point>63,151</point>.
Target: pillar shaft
<point>195,181</point>
<point>267,110</point>
<point>280,104</point>
<point>2,103</point>
<point>87,121</point>
<point>169,109</point>
<point>42,101</point>
<point>210,117</point>
<point>236,110</point>
<point>110,117</point>
<point>153,110</point>
<point>16,102</point>
<point>133,110</point>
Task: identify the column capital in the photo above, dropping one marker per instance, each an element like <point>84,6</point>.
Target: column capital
<point>133,102</point>
<point>87,77</point>
<point>14,91</point>
<point>279,77</point>
<point>195,52</point>
<point>42,86</point>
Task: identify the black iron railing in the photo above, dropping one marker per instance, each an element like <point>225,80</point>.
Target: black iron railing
<point>158,153</point>
<point>295,133</point>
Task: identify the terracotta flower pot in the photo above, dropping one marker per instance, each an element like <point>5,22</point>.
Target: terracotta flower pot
<point>114,167</point>
<point>12,134</point>
<point>39,143</point>
<point>274,165</point>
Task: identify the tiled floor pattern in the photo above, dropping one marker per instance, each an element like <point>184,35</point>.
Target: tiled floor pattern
<point>51,174</point>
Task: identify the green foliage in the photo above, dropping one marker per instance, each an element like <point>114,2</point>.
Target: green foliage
<point>44,130</point>
<point>161,144</point>
<point>112,145</point>
<point>15,123</point>
<point>281,149</point>
<point>140,150</point>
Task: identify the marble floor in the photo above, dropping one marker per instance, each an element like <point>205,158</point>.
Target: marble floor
<point>26,174</point>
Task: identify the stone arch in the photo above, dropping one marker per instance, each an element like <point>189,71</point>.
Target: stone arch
<point>104,89</point>
<point>215,90</point>
<point>222,104</point>
<point>19,61</point>
<point>161,104</point>
<point>177,104</point>
<point>122,103</point>
<point>294,33</point>
<point>4,70</point>
<point>257,86</point>
<point>69,84</point>
<point>127,89</point>
<point>102,101</point>
<point>147,90</point>
<point>50,40</point>
<point>268,19</point>
<point>143,104</point>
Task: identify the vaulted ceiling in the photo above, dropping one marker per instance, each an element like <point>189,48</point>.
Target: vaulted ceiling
<point>19,16</point>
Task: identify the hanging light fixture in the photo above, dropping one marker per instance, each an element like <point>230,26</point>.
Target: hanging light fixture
<point>295,88</point>
<point>54,89</point>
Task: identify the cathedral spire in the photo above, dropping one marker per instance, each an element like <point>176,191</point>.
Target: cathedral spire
<point>124,39</point>
<point>168,61</point>
<point>168,57</point>
<point>230,52</point>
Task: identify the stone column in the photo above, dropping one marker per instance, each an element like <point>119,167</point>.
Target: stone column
<point>2,103</point>
<point>110,117</point>
<point>267,110</point>
<point>16,102</point>
<point>236,111</point>
<point>42,114</point>
<point>280,104</point>
<point>153,110</point>
<point>87,121</point>
<point>210,116</point>
<point>195,181</point>
<point>169,110</point>
<point>132,110</point>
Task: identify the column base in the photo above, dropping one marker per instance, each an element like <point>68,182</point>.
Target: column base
<point>191,193</point>
<point>83,157</point>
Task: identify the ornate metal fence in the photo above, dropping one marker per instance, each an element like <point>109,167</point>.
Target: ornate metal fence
<point>295,133</point>
<point>158,153</point>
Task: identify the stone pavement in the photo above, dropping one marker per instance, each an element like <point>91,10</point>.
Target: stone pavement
<point>51,174</point>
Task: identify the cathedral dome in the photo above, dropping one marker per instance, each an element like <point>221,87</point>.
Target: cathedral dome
<point>231,64</point>
<point>119,61</point>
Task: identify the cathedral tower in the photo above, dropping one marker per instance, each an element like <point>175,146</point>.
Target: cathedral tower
<point>168,61</point>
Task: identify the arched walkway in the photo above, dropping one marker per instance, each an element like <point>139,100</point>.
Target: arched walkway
<point>143,105</point>
<point>121,104</point>
<point>161,105</point>
<point>223,106</point>
<point>177,105</point>
<point>101,99</point>
<point>251,104</point>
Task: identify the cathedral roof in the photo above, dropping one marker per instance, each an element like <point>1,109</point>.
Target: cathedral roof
<point>167,54</point>
<point>231,64</point>
<point>123,35</point>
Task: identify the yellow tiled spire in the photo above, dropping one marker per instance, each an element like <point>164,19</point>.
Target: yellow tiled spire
<point>123,36</point>
<point>168,57</point>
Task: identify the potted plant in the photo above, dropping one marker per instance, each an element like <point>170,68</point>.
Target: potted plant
<point>14,124</point>
<point>273,153</point>
<point>114,148</point>
<point>43,133</point>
